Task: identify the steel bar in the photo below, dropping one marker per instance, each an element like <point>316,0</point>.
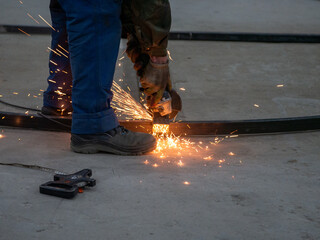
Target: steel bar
<point>198,36</point>
<point>191,128</point>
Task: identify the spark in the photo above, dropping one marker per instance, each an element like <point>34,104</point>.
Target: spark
<point>160,128</point>
<point>32,18</point>
<point>3,117</point>
<point>61,54</point>
<point>280,85</point>
<point>146,162</point>
<point>1,96</point>
<point>53,62</point>
<point>234,136</point>
<point>155,165</point>
<point>20,2</point>
<point>221,161</point>
<point>231,154</point>
<point>60,93</point>
<point>180,163</point>
<point>186,183</point>
<point>125,104</point>
<point>121,58</point>
<point>182,89</point>
<point>54,51</point>
<point>46,22</point>
<point>15,93</point>
<point>169,55</point>
<point>52,81</point>
<point>2,136</point>
<point>207,158</point>
<point>234,131</point>
<point>63,48</point>
<point>24,32</point>
<point>256,105</point>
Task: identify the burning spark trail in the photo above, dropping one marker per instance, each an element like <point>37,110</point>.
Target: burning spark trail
<point>125,104</point>
<point>24,32</point>
<point>61,53</point>
<point>46,22</point>
<point>32,18</point>
<point>169,55</point>
<point>63,49</point>
<point>54,51</point>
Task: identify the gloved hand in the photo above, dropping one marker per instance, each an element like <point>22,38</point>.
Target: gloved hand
<point>154,81</point>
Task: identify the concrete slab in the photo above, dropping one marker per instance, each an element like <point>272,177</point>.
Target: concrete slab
<point>222,80</point>
<point>286,16</point>
<point>267,190</point>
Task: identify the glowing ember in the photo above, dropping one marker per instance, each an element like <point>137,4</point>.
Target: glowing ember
<point>46,22</point>
<point>160,128</point>
<point>180,163</point>
<point>169,55</point>
<point>24,32</point>
<point>208,158</point>
<point>125,104</point>
<point>32,18</point>
<point>221,161</point>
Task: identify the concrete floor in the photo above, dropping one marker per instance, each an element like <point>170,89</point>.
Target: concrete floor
<point>222,81</point>
<point>267,189</point>
<point>289,16</point>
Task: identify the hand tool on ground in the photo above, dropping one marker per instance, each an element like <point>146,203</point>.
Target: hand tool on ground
<point>67,186</point>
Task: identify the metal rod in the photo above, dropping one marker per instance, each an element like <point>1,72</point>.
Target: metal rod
<point>198,36</point>
<point>189,128</point>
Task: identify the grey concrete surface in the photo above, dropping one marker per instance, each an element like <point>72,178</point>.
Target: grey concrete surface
<point>269,189</point>
<point>222,81</point>
<point>290,16</point>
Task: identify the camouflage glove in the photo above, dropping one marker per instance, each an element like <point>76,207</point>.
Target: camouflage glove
<point>154,81</point>
<point>136,56</point>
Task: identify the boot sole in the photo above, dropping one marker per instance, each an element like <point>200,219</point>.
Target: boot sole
<point>90,148</point>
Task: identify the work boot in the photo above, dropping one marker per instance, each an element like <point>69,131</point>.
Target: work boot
<point>117,141</point>
<point>55,111</point>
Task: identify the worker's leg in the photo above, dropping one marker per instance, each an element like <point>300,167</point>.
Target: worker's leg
<point>58,94</point>
<point>94,29</point>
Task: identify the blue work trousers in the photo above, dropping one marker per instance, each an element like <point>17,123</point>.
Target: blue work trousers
<point>86,36</point>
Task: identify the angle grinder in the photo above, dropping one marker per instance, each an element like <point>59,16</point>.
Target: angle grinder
<point>168,107</point>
